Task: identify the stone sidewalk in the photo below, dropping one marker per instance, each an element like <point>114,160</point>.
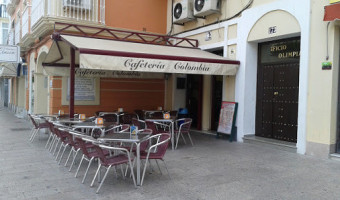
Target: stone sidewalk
<point>212,169</point>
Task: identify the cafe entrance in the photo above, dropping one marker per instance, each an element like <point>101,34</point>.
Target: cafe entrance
<point>194,99</point>
<point>278,90</point>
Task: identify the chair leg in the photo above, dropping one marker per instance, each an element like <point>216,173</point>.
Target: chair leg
<point>82,158</point>
<point>192,144</point>
<point>146,163</point>
<point>31,133</point>
<point>34,134</point>
<point>185,142</point>
<point>87,169</point>
<point>100,185</point>
<point>159,167</point>
<point>61,157</point>
<point>177,141</point>
<point>56,146</point>
<point>74,158</point>
<point>69,155</point>
<point>166,167</point>
<point>133,165</point>
<point>133,174</point>
<point>61,145</point>
<point>52,143</point>
<point>95,176</point>
<point>122,170</point>
<point>49,140</point>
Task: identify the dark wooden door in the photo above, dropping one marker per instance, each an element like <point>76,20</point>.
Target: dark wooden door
<point>194,99</point>
<point>216,100</point>
<point>277,101</point>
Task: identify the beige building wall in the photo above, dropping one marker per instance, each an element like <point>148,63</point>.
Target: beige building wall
<point>206,103</point>
<point>21,92</point>
<point>323,84</point>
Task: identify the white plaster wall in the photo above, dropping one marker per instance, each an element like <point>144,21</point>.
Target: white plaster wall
<point>41,100</point>
<point>247,54</point>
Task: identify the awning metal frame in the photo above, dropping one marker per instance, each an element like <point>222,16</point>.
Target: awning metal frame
<point>122,35</point>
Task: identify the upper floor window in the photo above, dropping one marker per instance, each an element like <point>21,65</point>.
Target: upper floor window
<point>3,12</point>
<point>4,33</point>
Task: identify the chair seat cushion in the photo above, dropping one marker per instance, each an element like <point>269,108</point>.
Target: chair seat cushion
<point>116,160</point>
<point>156,155</point>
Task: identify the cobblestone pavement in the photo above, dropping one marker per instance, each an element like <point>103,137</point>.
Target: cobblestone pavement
<point>212,169</point>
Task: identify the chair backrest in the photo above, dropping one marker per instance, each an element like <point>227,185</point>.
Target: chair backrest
<point>144,145</point>
<point>98,149</point>
<point>139,123</point>
<point>64,135</point>
<point>81,140</point>
<point>173,113</point>
<point>126,118</point>
<point>161,145</point>
<point>186,125</point>
<point>35,124</point>
<point>68,136</point>
<point>151,125</point>
<point>97,113</point>
<point>140,114</point>
<point>110,117</point>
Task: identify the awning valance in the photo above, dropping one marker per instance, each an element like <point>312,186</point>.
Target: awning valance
<point>102,54</point>
<point>332,12</point>
<point>8,70</point>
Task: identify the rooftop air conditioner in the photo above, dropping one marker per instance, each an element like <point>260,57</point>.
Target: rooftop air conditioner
<point>206,7</point>
<point>183,11</point>
<point>78,4</point>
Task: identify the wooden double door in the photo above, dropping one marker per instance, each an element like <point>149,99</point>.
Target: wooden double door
<point>277,101</point>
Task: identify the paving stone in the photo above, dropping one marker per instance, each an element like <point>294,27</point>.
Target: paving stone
<point>212,169</point>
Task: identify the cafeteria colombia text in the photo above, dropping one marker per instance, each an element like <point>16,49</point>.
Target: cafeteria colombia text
<point>134,65</point>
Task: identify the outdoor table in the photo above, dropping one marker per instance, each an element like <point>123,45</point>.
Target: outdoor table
<point>47,117</point>
<point>93,125</point>
<point>128,138</point>
<point>70,121</point>
<point>171,121</point>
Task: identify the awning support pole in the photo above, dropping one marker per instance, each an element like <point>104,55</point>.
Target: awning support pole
<point>72,76</point>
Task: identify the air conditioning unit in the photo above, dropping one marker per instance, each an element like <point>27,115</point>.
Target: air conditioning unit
<point>206,7</point>
<point>183,11</point>
<point>78,4</point>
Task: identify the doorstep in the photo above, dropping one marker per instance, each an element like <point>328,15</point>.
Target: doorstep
<point>214,133</point>
<point>335,156</point>
<point>277,144</point>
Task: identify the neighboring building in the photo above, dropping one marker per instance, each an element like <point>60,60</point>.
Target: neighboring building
<point>282,89</point>
<point>33,22</point>
<point>4,28</point>
<point>4,22</point>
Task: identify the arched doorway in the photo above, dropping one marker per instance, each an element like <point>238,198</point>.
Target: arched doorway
<point>277,81</point>
<point>40,84</point>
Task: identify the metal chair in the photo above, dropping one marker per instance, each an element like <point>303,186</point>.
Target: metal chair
<point>87,154</point>
<point>184,128</point>
<point>122,156</point>
<point>37,125</point>
<point>156,152</point>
